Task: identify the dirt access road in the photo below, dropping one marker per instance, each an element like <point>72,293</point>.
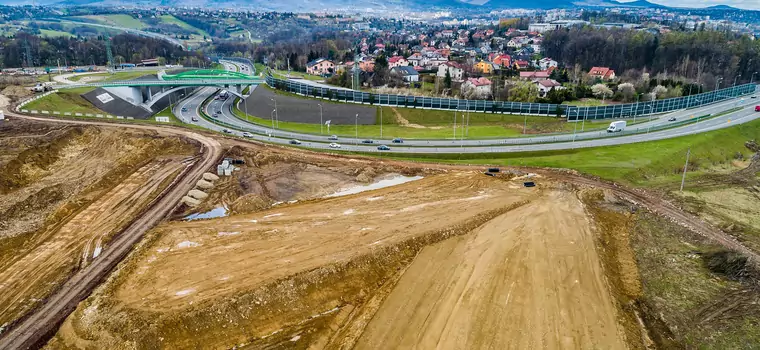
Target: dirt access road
<point>528,279</point>
<point>34,330</point>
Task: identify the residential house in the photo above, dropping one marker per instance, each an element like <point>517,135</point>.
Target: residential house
<point>546,85</point>
<point>514,43</point>
<point>415,59</point>
<point>484,67</point>
<point>536,48</point>
<point>367,65</point>
<point>534,76</point>
<point>455,71</point>
<point>545,63</point>
<point>502,60</point>
<point>320,66</point>
<point>397,61</point>
<point>482,86</point>
<point>407,73</point>
<point>604,73</point>
<point>447,33</point>
<point>521,64</point>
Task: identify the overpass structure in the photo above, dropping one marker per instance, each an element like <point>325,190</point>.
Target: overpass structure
<point>146,94</point>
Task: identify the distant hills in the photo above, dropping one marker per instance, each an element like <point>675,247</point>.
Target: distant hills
<point>321,5</point>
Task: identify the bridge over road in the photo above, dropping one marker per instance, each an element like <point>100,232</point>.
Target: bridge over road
<point>234,82</point>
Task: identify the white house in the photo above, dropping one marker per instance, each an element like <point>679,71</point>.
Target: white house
<point>407,73</point>
<point>415,59</point>
<point>455,71</point>
<point>320,66</point>
<point>481,86</point>
<point>546,63</point>
<point>544,86</point>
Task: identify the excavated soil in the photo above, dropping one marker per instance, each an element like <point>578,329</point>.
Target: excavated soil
<point>463,259</point>
<point>64,192</point>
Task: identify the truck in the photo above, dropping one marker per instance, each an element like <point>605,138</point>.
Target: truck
<point>617,126</point>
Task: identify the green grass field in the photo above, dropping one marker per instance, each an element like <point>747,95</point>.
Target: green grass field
<point>68,100</point>
<point>55,33</point>
<point>118,75</point>
<point>169,19</point>
<point>119,20</point>
<point>653,163</point>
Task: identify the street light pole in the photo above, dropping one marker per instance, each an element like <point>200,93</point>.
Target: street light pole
<point>381,122</point>
<point>320,117</point>
<point>276,114</point>
<point>271,116</point>
<point>683,177</point>
<point>525,124</point>
<point>752,78</point>
<point>356,123</point>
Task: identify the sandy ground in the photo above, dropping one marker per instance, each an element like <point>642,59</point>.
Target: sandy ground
<point>529,279</point>
<point>29,277</point>
<point>202,260</point>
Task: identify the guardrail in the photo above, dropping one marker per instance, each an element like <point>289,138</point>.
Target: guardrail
<point>572,113</point>
<point>189,82</point>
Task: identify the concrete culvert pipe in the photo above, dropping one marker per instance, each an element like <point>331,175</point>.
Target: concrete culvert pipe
<point>203,184</point>
<point>210,177</point>
<point>190,201</point>
<point>197,194</point>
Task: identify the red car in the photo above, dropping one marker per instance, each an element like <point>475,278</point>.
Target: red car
<point>757,108</point>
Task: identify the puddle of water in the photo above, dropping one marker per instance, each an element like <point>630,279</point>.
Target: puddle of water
<point>396,180</point>
<point>218,212</point>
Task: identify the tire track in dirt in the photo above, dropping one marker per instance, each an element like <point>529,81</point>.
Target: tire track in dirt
<point>34,330</point>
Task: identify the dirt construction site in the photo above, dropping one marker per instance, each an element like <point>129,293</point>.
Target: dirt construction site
<point>301,250</point>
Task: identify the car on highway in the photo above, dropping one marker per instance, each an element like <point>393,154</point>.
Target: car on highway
<point>672,119</point>
<point>227,131</point>
<point>295,142</point>
<point>757,108</point>
<point>398,140</point>
<point>334,145</point>
<point>195,119</point>
<point>368,141</point>
<point>247,134</point>
<point>218,112</point>
<point>184,109</point>
<point>383,148</point>
<point>333,138</point>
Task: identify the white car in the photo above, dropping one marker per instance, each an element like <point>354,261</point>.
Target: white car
<point>247,134</point>
<point>334,145</point>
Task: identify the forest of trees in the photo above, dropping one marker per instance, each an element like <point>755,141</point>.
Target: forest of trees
<point>47,51</point>
<point>700,56</point>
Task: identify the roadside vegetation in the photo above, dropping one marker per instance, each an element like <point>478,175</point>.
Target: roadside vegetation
<point>67,100</point>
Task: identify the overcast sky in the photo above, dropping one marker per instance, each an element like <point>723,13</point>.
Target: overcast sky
<point>745,4</point>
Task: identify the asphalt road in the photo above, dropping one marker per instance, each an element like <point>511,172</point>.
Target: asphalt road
<point>523,144</point>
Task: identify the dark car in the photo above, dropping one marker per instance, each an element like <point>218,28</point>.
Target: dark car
<point>333,138</point>
<point>368,141</point>
<point>383,148</point>
<point>184,109</point>
<point>398,140</point>
<point>227,131</point>
<point>295,142</point>
<point>672,119</point>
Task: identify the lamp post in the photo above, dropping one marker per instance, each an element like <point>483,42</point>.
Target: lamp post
<point>752,79</point>
<point>271,116</point>
<point>717,83</point>
<point>356,126</point>
<point>736,78</point>
<point>320,117</point>
<point>276,116</point>
<point>381,122</point>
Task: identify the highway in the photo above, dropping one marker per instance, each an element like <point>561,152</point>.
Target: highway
<point>655,128</point>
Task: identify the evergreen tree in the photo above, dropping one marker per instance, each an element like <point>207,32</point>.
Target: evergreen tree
<point>447,79</point>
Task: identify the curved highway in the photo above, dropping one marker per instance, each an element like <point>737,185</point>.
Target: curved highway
<point>655,128</point>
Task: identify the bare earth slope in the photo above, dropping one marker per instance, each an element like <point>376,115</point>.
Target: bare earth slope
<point>528,279</point>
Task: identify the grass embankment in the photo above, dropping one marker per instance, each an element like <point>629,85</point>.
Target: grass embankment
<point>655,163</point>
<point>413,123</point>
<point>283,74</point>
<point>55,33</point>
<point>116,76</point>
<point>119,20</point>
<point>68,100</point>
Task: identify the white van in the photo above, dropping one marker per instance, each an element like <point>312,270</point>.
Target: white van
<point>616,126</point>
